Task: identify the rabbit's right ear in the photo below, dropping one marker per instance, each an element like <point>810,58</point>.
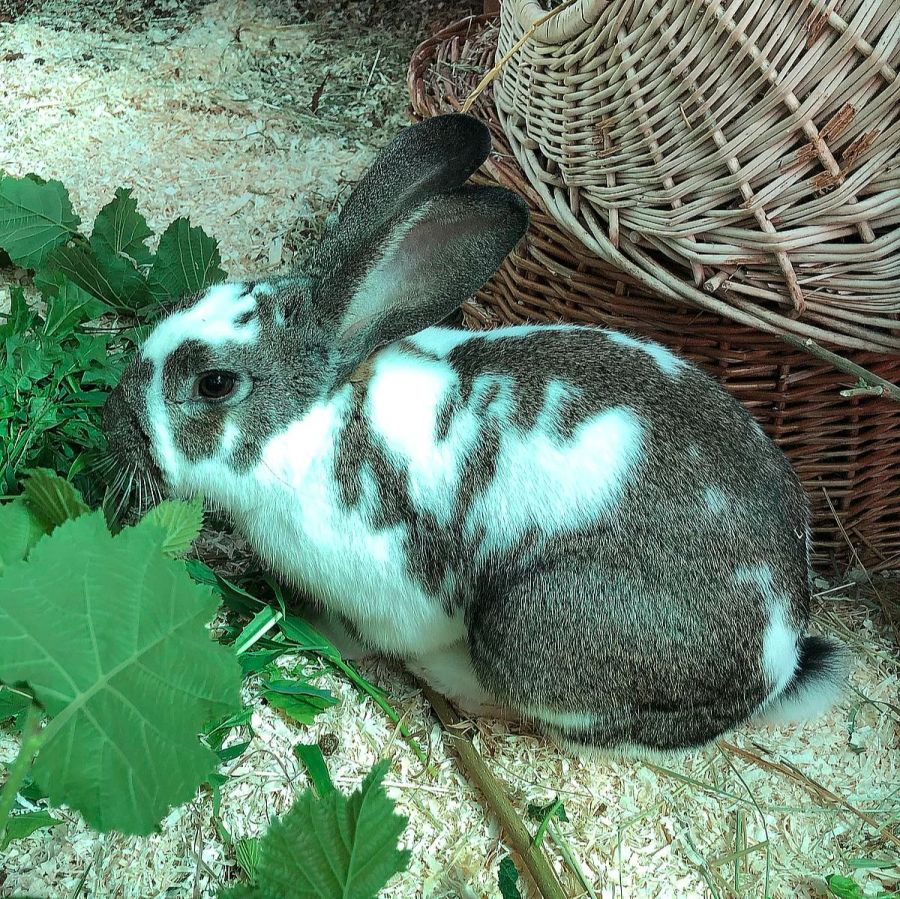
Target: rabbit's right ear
<point>424,160</point>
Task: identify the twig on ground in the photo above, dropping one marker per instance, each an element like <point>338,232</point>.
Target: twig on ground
<point>496,799</point>
<point>791,771</point>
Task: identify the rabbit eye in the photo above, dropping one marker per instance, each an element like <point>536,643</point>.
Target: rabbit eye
<point>216,385</point>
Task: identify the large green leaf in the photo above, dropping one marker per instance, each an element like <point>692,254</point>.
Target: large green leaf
<point>35,217</point>
<point>120,228</point>
<point>52,499</point>
<point>333,847</point>
<point>187,261</point>
<point>111,637</point>
<point>181,522</point>
<point>102,273</point>
<point>69,307</point>
<point>19,531</point>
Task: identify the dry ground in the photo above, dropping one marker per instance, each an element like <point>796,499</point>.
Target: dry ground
<point>207,111</point>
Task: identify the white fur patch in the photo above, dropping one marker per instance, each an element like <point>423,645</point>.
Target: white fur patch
<point>550,487</point>
<point>716,500</point>
<point>667,361</point>
<point>523,331</point>
<point>450,672</point>
<point>212,320</point>
<point>405,398</point>
<point>230,436</point>
<point>565,720</point>
<point>780,650</point>
<point>815,694</point>
<point>441,341</point>
<point>296,520</point>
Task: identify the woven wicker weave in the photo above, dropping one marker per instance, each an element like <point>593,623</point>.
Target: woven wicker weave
<point>742,156</point>
<point>846,451</point>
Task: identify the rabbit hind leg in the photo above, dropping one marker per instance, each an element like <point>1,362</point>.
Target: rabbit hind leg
<point>449,672</point>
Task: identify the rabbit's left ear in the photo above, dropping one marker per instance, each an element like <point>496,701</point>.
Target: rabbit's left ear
<point>419,269</point>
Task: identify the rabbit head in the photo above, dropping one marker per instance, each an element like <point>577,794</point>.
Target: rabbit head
<point>241,361</point>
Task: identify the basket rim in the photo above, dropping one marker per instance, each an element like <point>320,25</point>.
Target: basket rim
<point>792,312</point>
<point>557,25</point>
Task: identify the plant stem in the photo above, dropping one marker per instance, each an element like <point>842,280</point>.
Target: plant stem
<point>370,690</point>
<point>497,800</point>
<point>565,850</point>
<point>32,737</point>
<point>546,820</point>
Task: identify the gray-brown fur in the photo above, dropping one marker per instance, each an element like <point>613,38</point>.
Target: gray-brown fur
<point>655,581</point>
<point>650,618</point>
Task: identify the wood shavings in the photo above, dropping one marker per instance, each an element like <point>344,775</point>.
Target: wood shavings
<point>189,117</point>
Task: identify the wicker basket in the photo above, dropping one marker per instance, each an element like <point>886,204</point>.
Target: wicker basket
<point>744,157</point>
<point>847,451</point>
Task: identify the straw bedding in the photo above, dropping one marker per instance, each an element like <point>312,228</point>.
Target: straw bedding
<point>202,124</point>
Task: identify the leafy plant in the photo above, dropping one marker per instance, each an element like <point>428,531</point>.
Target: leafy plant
<point>329,847</point>
<point>35,217</point>
<point>110,637</point>
<point>53,382</point>
<point>59,363</point>
<point>25,824</point>
<point>121,700</point>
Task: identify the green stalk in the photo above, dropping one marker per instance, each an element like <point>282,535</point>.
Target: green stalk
<point>32,738</point>
<point>372,691</point>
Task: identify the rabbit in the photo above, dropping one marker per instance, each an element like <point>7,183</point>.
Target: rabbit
<point>568,523</point>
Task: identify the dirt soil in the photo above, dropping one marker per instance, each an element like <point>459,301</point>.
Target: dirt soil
<point>252,118</point>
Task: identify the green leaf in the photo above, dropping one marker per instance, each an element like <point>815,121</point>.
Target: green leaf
<point>12,703</point>
<point>52,499</point>
<point>334,847</point>
<point>34,218</point>
<point>19,531</point>
<point>246,852</point>
<point>180,521</point>
<point>304,709</point>
<point>25,824</point>
<point>120,228</point>
<point>877,864</point>
<point>843,887</point>
<point>69,307</point>
<point>230,753</point>
<point>540,812</point>
<point>234,597</point>
<point>20,316</point>
<point>187,261</point>
<point>508,880</point>
<point>101,273</point>
<point>306,639</point>
<point>253,661</point>
<point>310,756</point>
<point>111,637</point>
<point>261,623</point>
